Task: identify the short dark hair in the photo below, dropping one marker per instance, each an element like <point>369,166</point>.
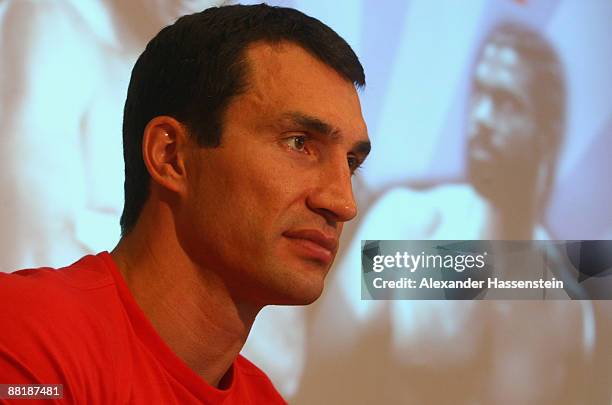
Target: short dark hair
<point>545,73</point>
<point>193,68</point>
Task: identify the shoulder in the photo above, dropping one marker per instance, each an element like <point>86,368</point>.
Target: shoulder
<point>48,290</point>
<point>461,212</point>
<point>52,327</point>
<point>246,367</point>
<point>51,297</point>
<point>453,194</point>
<point>442,212</point>
<point>30,23</point>
<point>398,214</point>
<point>48,44</point>
<point>256,382</point>
<point>49,18</point>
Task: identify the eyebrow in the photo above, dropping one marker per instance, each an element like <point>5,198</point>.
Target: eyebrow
<point>310,123</point>
<point>314,124</point>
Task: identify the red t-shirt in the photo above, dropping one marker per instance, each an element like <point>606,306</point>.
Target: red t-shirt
<point>80,326</point>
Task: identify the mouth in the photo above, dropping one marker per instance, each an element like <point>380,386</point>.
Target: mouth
<point>313,244</point>
<point>480,149</point>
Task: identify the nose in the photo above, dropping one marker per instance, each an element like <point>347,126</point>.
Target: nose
<point>333,196</point>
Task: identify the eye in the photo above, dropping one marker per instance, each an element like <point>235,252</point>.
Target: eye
<point>353,163</point>
<point>297,142</point>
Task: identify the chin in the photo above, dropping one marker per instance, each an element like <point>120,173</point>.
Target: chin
<point>293,279</point>
<point>484,179</point>
<point>303,288</point>
<point>484,187</point>
<point>299,295</point>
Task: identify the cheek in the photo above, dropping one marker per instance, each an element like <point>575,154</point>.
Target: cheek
<point>255,193</point>
<point>269,199</point>
<point>273,182</point>
<point>254,201</point>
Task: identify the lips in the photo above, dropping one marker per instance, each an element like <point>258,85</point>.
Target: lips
<point>314,243</point>
<point>481,149</point>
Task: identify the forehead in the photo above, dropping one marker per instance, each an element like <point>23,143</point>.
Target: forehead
<point>284,77</point>
<point>502,67</point>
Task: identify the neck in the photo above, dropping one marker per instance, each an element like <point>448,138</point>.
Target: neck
<point>514,220</point>
<point>189,306</point>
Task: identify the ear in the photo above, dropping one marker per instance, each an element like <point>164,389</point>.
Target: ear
<point>163,146</point>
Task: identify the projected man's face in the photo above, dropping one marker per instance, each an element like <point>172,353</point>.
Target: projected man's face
<point>502,130</point>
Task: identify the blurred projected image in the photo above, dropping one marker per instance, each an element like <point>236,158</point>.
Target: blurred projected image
<point>62,99</point>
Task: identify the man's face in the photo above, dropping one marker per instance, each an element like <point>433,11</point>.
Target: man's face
<point>502,131</point>
<point>265,210</point>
